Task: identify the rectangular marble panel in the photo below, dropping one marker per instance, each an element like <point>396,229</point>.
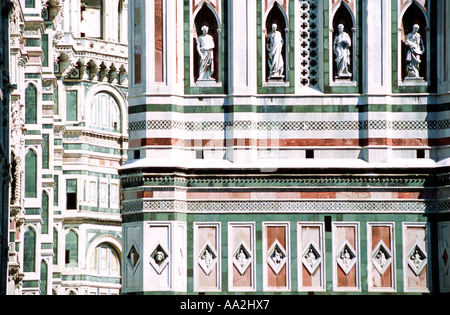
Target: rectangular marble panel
<point>381,256</point>
<point>241,257</point>
<point>346,256</point>
<point>207,257</point>
<point>276,251</point>
<point>415,257</point>
<point>311,256</point>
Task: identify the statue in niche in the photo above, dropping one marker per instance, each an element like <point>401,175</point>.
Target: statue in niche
<point>275,44</point>
<point>416,48</point>
<point>342,44</point>
<point>205,48</point>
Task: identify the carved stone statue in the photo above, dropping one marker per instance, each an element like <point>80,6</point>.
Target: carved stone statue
<point>416,48</point>
<point>275,44</point>
<point>205,48</point>
<point>342,44</point>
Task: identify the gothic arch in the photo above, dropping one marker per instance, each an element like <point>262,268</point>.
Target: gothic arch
<point>414,13</point>
<point>205,14</point>
<point>31,103</point>
<point>277,15</point>
<point>343,15</point>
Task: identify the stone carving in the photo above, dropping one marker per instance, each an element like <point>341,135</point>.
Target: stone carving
<point>242,258</point>
<point>207,258</point>
<point>416,49</point>
<point>276,257</point>
<point>311,258</point>
<point>342,44</point>
<point>381,257</point>
<point>159,259</point>
<point>205,48</point>
<point>346,258</point>
<point>275,44</point>
<point>417,258</point>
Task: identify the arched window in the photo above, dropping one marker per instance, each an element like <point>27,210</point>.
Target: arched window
<point>45,204</point>
<point>105,261</point>
<point>31,105</point>
<point>91,24</point>
<point>44,277</point>
<point>31,175</point>
<point>71,249</point>
<point>105,113</point>
<point>29,251</point>
<point>55,246</point>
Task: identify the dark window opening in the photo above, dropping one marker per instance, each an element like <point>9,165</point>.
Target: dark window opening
<point>71,201</point>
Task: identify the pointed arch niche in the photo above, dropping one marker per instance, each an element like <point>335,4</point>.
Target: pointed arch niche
<point>206,13</point>
<point>276,15</point>
<point>343,69</point>
<point>412,13</point>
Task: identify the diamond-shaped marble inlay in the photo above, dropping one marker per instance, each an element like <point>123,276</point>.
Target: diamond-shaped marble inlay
<point>242,258</point>
<point>207,258</point>
<point>381,257</point>
<point>311,258</point>
<point>133,258</point>
<point>417,258</point>
<point>276,257</point>
<point>159,258</point>
<point>346,257</point>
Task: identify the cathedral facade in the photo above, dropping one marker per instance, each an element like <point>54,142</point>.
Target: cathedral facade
<point>68,137</point>
<point>292,146</point>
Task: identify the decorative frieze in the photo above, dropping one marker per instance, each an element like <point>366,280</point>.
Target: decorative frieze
<point>417,207</point>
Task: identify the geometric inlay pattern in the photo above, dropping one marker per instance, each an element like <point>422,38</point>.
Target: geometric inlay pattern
<point>296,125</point>
<point>276,257</point>
<point>133,258</point>
<point>346,257</point>
<point>311,258</point>
<point>207,258</point>
<point>309,43</point>
<point>159,258</point>
<point>417,258</point>
<point>242,258</point>
<point>287,206</point>
<point>381,257</point>
<point>445,257</point>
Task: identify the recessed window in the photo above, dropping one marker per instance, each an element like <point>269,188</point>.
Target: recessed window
<point>105,113</point>
<point>421,154</point>
<point>309,154</point>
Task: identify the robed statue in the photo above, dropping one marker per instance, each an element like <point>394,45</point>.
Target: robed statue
<point>205,48</point>
<point>342,44</point>
<point>275,44</point>
<point>416,48</point>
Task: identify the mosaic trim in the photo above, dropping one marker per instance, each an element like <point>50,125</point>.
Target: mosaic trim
<point>290,125</point>
<point>286,207</point>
